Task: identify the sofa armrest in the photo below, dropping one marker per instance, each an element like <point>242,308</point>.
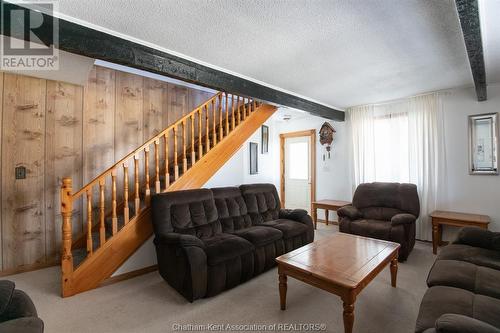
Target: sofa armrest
<point>299,215</point>
<point>182,262</point>
<point>350,212</point>
<point>454,323</point>
<point>176,239</point>
<point>479,238</point>
<point>22,325</point>
<point>403,219</point>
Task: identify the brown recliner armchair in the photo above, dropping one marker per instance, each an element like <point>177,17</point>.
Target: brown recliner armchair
<point>385,211</point>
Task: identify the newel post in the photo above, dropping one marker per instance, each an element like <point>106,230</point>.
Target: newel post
<point>66,212</point>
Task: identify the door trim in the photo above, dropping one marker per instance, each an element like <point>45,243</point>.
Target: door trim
<point>312,134</point>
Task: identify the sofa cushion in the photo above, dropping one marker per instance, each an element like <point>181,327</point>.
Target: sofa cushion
<point>371,228</point>
<point>440,300</point>
<point>231,207</point>
<point>475,255</point>
<point>223,247</point>
<point>262,202</point>
<point>379,213</point>
<point>191,212</point>
<point>259,235</point>
<point>402,197</point>
<point>465,275</point>
<point>289,228</point>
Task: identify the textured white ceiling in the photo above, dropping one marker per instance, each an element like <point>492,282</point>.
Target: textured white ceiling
<point>341,53</point>
<point>490,24</point>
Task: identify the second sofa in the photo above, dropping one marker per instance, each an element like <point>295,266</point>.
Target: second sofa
<point>208,241</point>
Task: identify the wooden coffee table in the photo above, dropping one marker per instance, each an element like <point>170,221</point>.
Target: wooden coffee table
<point>342,264</point>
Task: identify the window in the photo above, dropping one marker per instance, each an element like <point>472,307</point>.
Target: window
<point>299,167</point>
<point>391,148</point>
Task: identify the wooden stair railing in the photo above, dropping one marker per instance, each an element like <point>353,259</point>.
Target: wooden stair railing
<point>185,155</point>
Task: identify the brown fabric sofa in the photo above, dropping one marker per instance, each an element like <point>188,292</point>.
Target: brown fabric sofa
<point>464,286</point>
<point>208,241</point>
<point>17,311</point>
<point>385,211</point>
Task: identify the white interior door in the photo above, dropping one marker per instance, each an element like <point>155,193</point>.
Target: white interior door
<point>298,173</point>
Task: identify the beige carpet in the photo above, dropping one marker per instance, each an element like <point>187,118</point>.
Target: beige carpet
<point>148,304</point>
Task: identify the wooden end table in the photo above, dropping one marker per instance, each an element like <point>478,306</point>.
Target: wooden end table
<point>342,264</point>
<point>326,205</point>
<point>440,218</point>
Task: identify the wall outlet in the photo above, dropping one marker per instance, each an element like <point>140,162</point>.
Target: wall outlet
<point>20,172</point>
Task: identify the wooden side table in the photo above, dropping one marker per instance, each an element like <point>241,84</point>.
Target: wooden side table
<point>327,205</point>
<point>439,218</point>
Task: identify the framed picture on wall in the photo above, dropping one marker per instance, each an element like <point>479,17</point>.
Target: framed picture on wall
<point>265,139</point>
<point>254,164</point>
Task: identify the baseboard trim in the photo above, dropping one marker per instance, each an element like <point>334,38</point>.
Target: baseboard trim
<point>27,268</point>
<point>329,222</point>
<point>128,275</point>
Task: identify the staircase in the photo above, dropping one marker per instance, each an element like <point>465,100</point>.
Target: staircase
<point>116,203</point>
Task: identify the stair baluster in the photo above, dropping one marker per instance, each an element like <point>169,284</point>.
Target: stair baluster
<point>193,155</point>
<point>214,134</point>
<point>102,213</point>
<point>227,115</point>
<point>233,120</point>
<point>126,210</point>
<point>157,166</point>
<point>146,174</point>
<point>89,223</point>
<point>207,132</point>
<point>200,135</point>
<point>221,129</point>
<point>114,217</point>
<point>167,171</point>
<point>137,198</point>
<point>238,109</point>
<point>242,109</point>
<point>184,138</point>
<point>176,165</point>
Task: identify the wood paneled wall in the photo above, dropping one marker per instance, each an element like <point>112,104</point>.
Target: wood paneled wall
<point>57,129</point>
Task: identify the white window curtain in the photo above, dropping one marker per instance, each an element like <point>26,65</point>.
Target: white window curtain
<point>402,141</point>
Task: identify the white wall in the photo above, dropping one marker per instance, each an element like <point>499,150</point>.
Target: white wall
<point>468,193</point>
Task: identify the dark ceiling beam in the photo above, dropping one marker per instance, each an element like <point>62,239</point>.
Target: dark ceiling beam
<point>96,44</point>
<point>468,13</point>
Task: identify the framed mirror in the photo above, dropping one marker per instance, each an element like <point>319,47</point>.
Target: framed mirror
<point>483,144</point>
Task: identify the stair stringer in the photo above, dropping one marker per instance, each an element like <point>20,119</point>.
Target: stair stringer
<point>109,257</point>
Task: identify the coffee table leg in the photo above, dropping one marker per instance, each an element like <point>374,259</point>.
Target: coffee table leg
<point>348,313</point>
<point>394,271</point>
<point>283,287</point>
